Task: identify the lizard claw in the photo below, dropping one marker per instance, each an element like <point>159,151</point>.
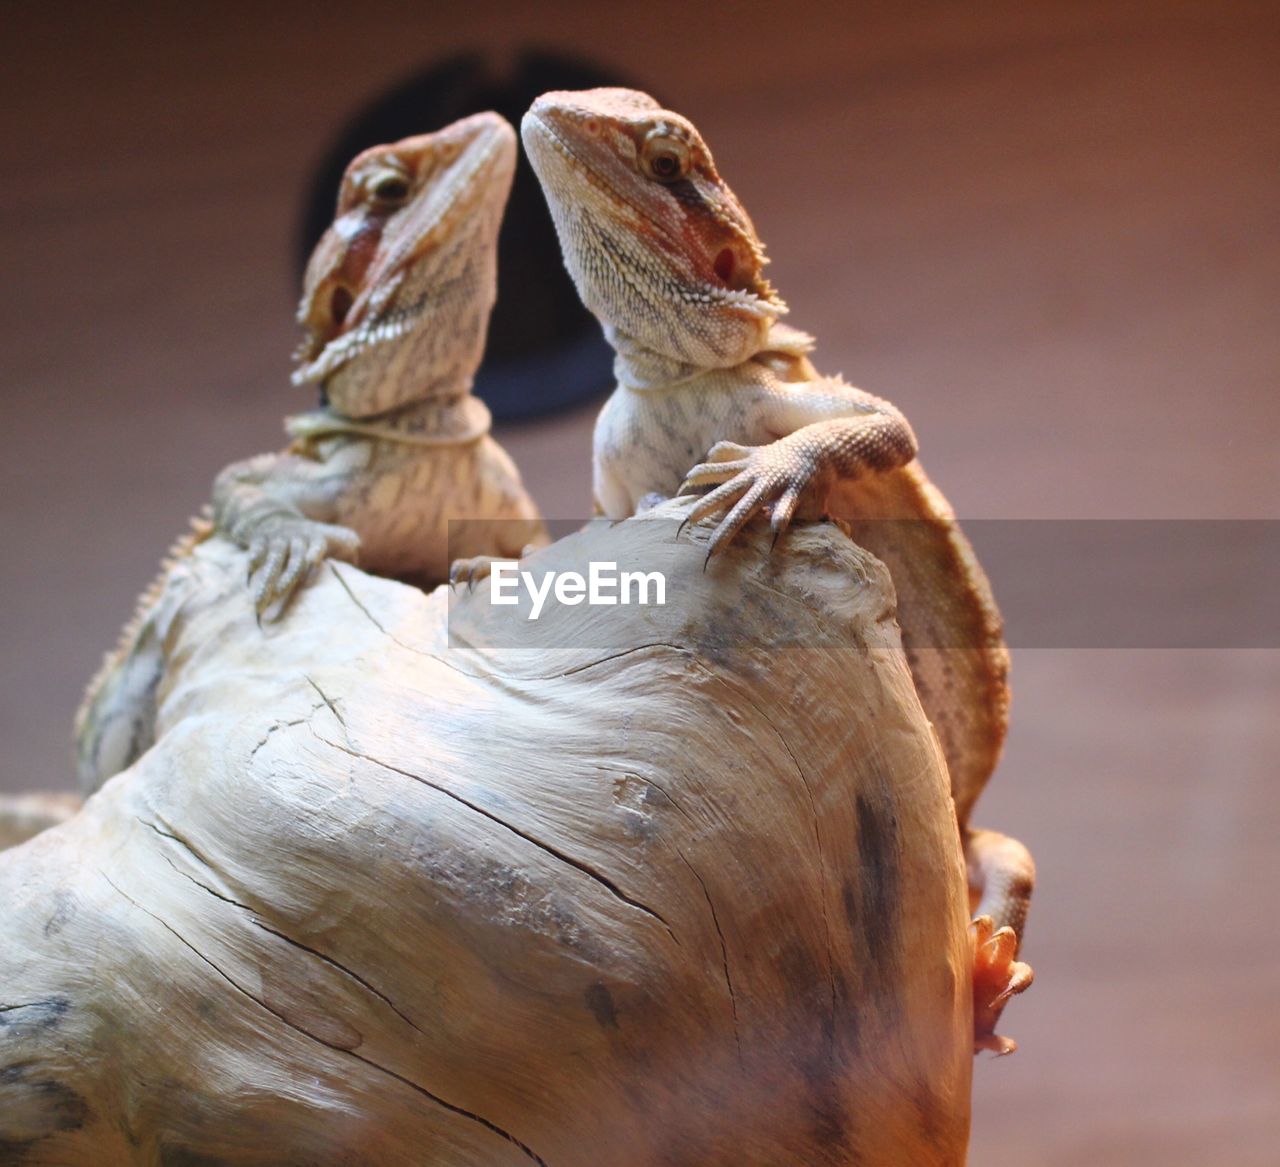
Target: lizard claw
<point>749,478</point>
<point>997,976</point>
<point>471,571</point>
<point>478,567</point>
<point>281,559</point>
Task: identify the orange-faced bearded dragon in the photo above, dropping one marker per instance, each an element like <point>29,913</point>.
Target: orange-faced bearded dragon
<point>396,470</point>
<point>395,305</point>
<point>664,255</point>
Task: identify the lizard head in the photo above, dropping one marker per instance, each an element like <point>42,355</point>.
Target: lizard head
<point>397,294</point>
<point>658,245</point>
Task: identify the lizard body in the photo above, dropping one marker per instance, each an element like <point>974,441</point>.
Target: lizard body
<point>665,256</point>
<point>395,305</point>
<point>396,469</point>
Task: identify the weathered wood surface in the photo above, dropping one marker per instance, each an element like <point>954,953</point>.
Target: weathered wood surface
<point>686,892</point>
<point>25,815</point>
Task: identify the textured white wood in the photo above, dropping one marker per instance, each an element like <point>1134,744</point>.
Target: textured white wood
<point>686,892</point>
<point>24,815</point>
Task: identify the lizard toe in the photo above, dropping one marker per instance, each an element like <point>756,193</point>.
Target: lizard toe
<point>783,511</point>
<point>711,473</point>
<point>470,571</point>
<point>720,499</point>
<point>728,452</point>
<point>258,551</point>
<point>302,560</point>
<point>339,542</point>
<point>273,563</point>
<point>738,517</point>
<point>997,976</point>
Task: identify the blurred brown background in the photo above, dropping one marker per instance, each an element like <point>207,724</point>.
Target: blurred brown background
<point>1051,233</point>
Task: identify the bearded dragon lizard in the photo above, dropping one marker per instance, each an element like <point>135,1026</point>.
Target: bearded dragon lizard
<point>665,256</point>
<point>395,307</point>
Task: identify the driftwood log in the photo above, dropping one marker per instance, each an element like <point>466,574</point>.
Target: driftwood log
<point>633,886</point>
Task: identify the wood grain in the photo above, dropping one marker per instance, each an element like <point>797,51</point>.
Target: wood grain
<point>1048,232</point>
<point>648,886</point>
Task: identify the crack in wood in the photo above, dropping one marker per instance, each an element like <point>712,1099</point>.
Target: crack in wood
<point>253,915</point>
<point>342,968</point>
<point>817,837</point>
<point>555,852</point>
<point>724,953</point>
<point>333,708</point>
<point>449,1106</point>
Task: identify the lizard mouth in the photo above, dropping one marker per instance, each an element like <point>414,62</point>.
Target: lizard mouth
<point>339,306</point>
<point>325,356</point>
<point>323,332</point>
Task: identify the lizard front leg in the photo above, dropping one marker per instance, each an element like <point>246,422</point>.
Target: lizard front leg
<point>280,507</point>
<point>867,435</point>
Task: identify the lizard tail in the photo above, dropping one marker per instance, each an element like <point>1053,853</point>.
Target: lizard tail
<point>200,528</point>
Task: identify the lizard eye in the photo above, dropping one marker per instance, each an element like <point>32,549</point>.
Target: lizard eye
<point>665,158</point>
<point>389,189</point>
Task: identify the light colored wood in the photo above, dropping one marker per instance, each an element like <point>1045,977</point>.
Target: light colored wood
<point>1046,231</point>
<point>644,885</point>
<point>25,815</point>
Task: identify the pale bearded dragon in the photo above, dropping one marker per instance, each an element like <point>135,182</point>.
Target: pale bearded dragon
<point>396,470</point>
<point>665,256</point>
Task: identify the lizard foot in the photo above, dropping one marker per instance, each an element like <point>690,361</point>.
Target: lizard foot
<point>280,559</point>
<point>750,477</point>
<point>997,976</point>
<point>471,571</point>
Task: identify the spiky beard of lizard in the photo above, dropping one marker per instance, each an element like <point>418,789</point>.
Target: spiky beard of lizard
<point>673,274</point>
<point>423,340</point>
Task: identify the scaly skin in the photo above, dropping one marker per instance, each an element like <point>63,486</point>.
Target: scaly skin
<point>395,306</point>
<point>667,259</point>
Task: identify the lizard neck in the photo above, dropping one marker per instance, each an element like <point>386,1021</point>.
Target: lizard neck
<point>436,420</point>
<point>394,384</point>
<point>440,415</point>
<point>638,367</point>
